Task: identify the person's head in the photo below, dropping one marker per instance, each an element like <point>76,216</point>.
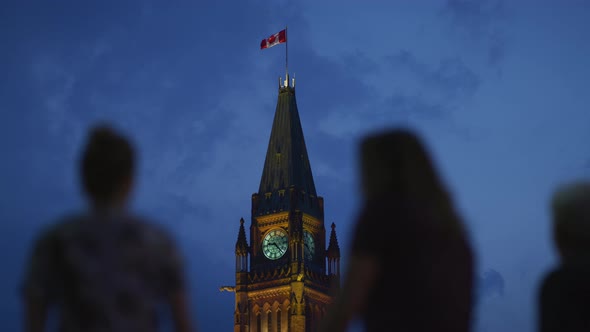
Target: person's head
<point>107,167</point>
<point>396,161</point>
<point>571,219</point>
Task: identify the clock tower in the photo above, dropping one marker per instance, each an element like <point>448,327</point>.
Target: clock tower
<point>284,277</point>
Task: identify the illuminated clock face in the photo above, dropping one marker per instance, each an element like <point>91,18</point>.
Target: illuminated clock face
<point>275,244</point>
<point>309,245</point>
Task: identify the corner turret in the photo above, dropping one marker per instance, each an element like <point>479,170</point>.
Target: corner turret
<point>241,249</point>
<point>333,253</point>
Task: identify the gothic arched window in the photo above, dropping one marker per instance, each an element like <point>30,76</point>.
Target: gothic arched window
<point>269,319</point>
<point>279,318</point>
<point>258,323</point>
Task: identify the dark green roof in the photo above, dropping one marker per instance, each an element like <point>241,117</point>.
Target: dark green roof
<point>287,163</point>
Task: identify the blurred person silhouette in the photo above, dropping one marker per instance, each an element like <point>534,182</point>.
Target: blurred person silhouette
<point>411,265</point>
<point>565,292</point>
<point>105,269</point>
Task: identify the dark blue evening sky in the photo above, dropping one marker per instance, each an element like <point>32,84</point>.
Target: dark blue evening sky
<point>498,88</point>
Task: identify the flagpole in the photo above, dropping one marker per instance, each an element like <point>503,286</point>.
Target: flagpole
<point>286,54</point>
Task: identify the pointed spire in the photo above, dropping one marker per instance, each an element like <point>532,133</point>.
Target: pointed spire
<point>287,162</point>
<point>333,247</point>
<point>287,165</point>
<point>242,244</point>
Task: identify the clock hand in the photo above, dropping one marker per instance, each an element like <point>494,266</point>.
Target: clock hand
<point>280,250</point>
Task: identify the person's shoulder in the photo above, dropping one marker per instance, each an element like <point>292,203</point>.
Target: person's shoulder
<point>554,275</point>
<point>146,223</point>
<point>57,229</point>
<point>63,223</point>
<point>150,228</point>
<point>552,282</point>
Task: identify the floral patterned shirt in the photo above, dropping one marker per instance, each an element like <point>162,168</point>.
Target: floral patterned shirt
<point>104,272</point>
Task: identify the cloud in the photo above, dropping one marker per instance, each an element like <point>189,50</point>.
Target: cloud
<point>455,78</point>
<point>475,16</point>
<point>342,124</point>
<point>451,78</point>
<point>334,84</point>
<point>359,63</point>
<point>411,105</point>
<point>420,91</point>
<point>58,84</point>
<point>482,22</point>
<point>497,49</point>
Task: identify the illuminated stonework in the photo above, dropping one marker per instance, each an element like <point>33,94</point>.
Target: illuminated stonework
<point>288,290</point>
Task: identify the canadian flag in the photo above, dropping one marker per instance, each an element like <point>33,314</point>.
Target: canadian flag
<point>278,38</point>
